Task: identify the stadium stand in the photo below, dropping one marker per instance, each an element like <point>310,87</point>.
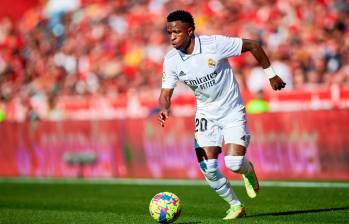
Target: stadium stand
<point>55,57</point>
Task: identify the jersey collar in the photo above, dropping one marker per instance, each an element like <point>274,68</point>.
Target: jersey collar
<point>197,49</point>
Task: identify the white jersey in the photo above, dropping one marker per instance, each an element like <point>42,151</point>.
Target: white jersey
<point>208,73</point>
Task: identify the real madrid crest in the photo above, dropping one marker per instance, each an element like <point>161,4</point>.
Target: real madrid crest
<point>211,63</point>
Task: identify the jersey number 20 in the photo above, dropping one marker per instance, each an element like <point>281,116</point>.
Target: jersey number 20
<point>200,124</point>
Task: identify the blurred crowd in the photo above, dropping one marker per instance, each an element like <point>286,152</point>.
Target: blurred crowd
<point>110,47</point>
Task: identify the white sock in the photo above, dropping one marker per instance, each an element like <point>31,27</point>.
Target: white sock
<point>228,194</point>
<point>218,182</point>
<point>238,164</point>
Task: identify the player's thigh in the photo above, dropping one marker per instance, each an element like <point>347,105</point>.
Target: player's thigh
<point>209,152</point>
<point>208,138</point>
<point>236,138</point>
<point>207,132</point>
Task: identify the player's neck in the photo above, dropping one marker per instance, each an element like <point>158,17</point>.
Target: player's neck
<point>189,48</point>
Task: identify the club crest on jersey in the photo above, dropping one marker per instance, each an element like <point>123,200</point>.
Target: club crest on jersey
<point>211,63</point>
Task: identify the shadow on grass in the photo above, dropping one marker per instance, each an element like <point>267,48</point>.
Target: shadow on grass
<point>300,212</point>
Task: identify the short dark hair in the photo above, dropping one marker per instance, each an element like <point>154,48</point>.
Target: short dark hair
<point>183,16</point>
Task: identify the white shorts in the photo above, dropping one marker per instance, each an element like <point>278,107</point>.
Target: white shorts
<point>229,129</point>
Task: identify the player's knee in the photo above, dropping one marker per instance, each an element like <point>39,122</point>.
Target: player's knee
<point>212,173</point>
<point>209,169</point>
<point>234,163</point>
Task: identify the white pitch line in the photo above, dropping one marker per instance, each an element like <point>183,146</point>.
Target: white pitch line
<point>168,182</point>
<point>305,184</point>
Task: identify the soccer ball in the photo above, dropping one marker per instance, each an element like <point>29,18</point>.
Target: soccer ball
<point>165,207</point>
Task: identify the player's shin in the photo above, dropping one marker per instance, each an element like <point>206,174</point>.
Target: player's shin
<point>218,182</point>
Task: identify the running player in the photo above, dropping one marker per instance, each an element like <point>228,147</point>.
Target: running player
<point>201,62</point>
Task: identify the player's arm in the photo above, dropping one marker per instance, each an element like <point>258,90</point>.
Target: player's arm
<point>257,51</point>
<point>165,104</point>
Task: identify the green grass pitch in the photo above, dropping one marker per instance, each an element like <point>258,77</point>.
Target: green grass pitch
<point>95,202</point>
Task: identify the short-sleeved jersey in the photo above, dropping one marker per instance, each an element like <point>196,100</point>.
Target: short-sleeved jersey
<point>208,73</point>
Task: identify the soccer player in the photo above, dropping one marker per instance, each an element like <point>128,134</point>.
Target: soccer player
<point>201,62</point>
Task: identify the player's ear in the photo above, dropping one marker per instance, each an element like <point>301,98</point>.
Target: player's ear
<point>190,31</point>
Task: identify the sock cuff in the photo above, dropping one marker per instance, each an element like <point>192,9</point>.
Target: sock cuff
<point>234,160</point>
<point>238,164</point>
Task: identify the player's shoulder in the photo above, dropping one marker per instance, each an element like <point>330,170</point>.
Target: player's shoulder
<point>208,44</point>
<point>170,55</point>
<point>207,39</point>
<point>216,37</point>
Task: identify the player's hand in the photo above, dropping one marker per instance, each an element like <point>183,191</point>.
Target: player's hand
<point>277,83</point>
<point>163,115</point>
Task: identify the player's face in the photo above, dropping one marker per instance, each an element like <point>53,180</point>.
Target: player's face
<point>179,33</point>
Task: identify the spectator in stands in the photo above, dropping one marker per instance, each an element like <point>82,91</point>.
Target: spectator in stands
<point>258,104</point>
<point>105,48</point>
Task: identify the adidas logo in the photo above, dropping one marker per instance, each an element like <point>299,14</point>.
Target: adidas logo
<point>182,74</point>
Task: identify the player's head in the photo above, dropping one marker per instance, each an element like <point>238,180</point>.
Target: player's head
<point>181,15</point>
<point>180,27</point>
